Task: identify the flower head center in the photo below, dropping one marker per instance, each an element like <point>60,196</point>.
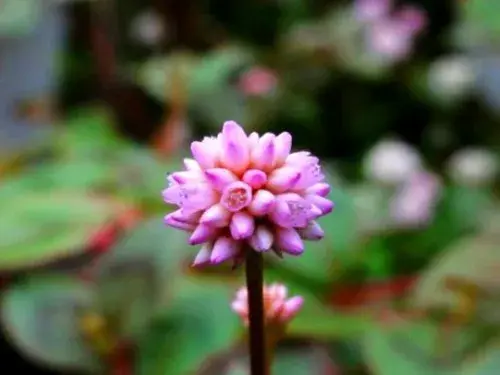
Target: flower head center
<point>236,196</point>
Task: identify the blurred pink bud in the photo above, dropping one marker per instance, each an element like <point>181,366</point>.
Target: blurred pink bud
<point>278,308</point>
<point>258,81</point>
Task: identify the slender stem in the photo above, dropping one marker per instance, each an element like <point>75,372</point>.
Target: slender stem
<point>255,280</point>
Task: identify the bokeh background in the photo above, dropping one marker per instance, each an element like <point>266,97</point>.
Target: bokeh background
<point>100,99</point>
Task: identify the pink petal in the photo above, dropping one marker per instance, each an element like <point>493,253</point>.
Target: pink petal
<point>240,307</point>
<point>205,156</point>
<point>235,150</point>
<point>236,196</point>
<point>216,216</point>
<point>191,165</point>
<point>291,307</point>
<point>325,205</point>
<point>262,203</point>
<point>224,249</point>
<point>170,221</point>
<point>321,188</point>
<point>262,239</point>
<point>283,179</point>
<point>253,140</point>
<point>242,225</point>
<point>203,256</point>
<point>219,178</point>
<point>201,234</point>
<point>186,217</point>
<point>172,194</point>
<point>186,177</point>
<point>291,210</point>
<point>263,153</point>
<point>313,232</point>
<point>255,178</point>
<point>283,145</point>
<point>199,196</point>
<point>288,240</point>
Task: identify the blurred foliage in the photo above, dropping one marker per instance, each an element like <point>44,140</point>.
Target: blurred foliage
<point>91,268</point>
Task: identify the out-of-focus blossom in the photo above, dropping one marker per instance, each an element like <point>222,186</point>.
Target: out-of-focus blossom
<point>389,33</point>
<point>415,203</point>
<point>247,192</point>
<point>371,10</point>
<point>258,81</point>
<point>278,308</point>
<point>451,77</point>
<point>473,166</point>
<point>148,28</point>
<point>389,40</point>
<point>392,162</point>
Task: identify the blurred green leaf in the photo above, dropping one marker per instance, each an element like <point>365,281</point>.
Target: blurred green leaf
<point>40,228</point>
<point>412,348</point>
<point>157,73</point>
<point>473,260</point>
<point>41,317</point>
<point>89,134</point>
<point>18,17</point>
<point>487,362</point>
<point>372,207</point>
<point>482,13</point>
<point>198,323</point>
<point>135,276</point>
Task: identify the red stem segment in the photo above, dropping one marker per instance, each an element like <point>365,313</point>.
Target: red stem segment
<point>255,279</point>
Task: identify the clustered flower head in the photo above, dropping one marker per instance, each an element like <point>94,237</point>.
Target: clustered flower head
<point>390,33</point>
<point>247,191</point>
<point>278,309</point>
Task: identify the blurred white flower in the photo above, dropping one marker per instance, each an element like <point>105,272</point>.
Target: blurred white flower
<point>415,203</point>
<point>148,28</point>
<point>390,40</point>
<point>391,162</point>
<point>451,77</point>
<point>473,166</point>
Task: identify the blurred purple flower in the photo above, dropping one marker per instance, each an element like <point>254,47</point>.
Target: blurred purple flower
<point>371,10</point>
<point>414,204</point>
<point>390,33</point>
<point>247,191</point>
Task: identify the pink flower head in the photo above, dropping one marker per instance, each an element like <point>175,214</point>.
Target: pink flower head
<point>278,309</point>
<point>258,81</point>
<point>247,191</point>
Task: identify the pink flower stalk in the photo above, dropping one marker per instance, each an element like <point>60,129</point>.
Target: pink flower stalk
<point>258,81</point>
<point>244,191</point>
<point>278,309</point>
<point>415,203</point>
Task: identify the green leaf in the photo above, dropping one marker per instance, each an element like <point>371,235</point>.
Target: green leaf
<point>157,74</point>
<point>482,13</point>
<point>89,134</point>
<point>487,362</point>
<point>472,260</point>
<point>412,348</point>
<point>41,317</point>
<point>18,17</point>
<point>134,277</point>
<point>198,323</point>
<point>40,228</point>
